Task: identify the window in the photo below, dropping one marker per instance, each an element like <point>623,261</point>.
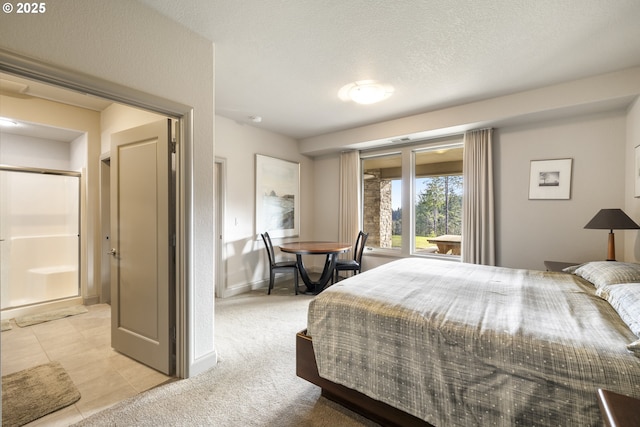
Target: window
<point>414,195</point>
<point>382,196</point>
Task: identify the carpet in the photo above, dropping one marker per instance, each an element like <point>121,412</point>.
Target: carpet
<point>254,383</point>
<point>5,326</point>
<point>35,392</point>
<point>34,319</point>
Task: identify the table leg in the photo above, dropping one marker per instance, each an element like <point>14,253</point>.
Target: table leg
<point>315,287</point>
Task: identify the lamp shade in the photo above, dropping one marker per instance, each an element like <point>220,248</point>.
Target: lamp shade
<point>612,219</point>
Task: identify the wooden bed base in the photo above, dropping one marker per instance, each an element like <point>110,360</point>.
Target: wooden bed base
<point>380,412</point>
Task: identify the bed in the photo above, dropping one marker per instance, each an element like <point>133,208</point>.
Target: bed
<point>431,342</point>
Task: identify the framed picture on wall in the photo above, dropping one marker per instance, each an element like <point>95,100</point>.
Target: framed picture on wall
<point>636,171</point>
<point>550,179</point>
<point>277,197</point>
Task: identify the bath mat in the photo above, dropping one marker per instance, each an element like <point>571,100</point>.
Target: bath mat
<point>34,319</point>
<point>6,325</point>
<point>35,392</point>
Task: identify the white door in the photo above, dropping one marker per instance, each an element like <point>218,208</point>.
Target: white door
<point>141,237</point>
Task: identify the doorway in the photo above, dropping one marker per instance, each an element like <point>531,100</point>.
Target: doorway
<point>97,276</point>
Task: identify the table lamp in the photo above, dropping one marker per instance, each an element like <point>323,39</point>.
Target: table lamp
<point>611,219</point>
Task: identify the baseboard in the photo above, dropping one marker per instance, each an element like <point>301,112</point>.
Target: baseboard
<point>202,364</point>
<point>260,284</point>
<point>91,300</point>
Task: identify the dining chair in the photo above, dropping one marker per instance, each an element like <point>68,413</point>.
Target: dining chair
<point>354,264</point>
<point>278,267</point>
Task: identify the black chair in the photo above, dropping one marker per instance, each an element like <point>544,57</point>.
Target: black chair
<point>354,264</point>
<point>278,267</point>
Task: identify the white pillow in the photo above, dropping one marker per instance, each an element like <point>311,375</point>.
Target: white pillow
<point>603,273</point>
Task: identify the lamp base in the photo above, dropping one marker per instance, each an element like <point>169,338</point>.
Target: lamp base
<point>611,249</point>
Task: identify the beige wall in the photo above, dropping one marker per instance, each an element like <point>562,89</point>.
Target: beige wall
<point>632,204</point>
<point>532,231</point>
<point>245,263</point>
<point>119,117</point>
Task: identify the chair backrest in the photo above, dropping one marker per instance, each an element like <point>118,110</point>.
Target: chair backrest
<point>267,243</point>
<point>358,249</point>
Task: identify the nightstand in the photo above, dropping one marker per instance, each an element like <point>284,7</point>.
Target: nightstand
<point>558,265</point>
<point>618,410</point>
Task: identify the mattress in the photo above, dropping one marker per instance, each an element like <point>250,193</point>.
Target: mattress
<point>462,344</point>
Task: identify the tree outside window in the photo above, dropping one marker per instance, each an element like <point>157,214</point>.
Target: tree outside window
<point>438,208</point>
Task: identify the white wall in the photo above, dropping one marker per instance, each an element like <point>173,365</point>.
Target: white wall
<point>20,150</point>
<point>245,261</point>
<point>126,43</point>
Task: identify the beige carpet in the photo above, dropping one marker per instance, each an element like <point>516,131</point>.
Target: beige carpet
<point>254,383</point>
<point>35,392</point>
<point>34,319</point>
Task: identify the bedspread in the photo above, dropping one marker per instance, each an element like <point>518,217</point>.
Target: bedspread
<point>462,344</point>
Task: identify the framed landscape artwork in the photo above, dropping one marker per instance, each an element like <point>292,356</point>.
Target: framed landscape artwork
<point>550,179</point>
<point>277,197</point>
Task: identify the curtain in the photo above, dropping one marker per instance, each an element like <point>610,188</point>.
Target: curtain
<point>349,208</point>
<point>478,229</point>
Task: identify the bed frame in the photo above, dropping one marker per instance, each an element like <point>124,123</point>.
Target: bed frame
<point>380,412</point>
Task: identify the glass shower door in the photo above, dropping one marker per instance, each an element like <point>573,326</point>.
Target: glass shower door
<point>40,237</point>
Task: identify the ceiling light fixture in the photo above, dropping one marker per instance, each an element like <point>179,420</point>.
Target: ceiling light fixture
<point>7,122</point>
<point>365,92</point>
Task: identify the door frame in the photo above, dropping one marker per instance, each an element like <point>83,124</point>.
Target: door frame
<point>105,229</point>
<point>220,197</point>
<point>19,65</point>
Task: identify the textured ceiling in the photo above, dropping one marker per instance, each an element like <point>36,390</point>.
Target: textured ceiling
<point>285,60</point>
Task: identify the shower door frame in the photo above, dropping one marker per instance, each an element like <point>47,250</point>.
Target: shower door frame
<point>46,171</point>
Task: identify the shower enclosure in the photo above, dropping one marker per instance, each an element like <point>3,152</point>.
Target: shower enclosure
<point>39,236</point>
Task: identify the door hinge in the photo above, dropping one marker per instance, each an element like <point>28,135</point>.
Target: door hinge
<point>173,333</point>
<point>173,145</point>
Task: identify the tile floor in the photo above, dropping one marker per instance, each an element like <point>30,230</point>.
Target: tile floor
<point>81,344</point>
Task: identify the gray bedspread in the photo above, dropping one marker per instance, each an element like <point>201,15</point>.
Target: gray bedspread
<point>459,344</point>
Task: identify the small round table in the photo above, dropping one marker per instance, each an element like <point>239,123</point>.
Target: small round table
<point>330,249</point>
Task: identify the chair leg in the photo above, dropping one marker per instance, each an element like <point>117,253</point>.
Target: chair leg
<point>271,280</point>
<point>295,281</point>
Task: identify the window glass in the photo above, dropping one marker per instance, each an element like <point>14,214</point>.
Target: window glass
<point>437,221</point>
<point>382,201</point>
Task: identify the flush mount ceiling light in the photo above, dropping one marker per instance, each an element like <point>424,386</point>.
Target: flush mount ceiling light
<point>7,122</point>
<point>365,92</point>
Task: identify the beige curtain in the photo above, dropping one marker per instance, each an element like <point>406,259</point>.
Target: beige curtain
<point>478,240</point>
<point>349,221</point>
